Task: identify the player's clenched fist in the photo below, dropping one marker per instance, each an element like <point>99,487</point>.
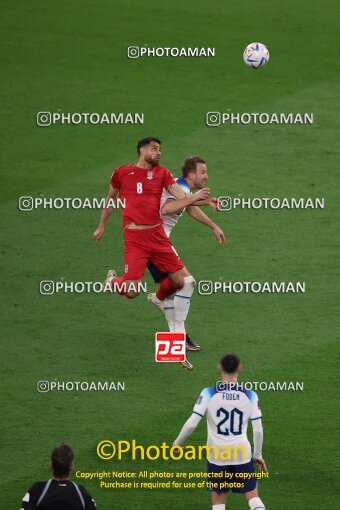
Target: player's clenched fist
<point>213,203</point>
<point>202,194</point>
<point>98,234</point>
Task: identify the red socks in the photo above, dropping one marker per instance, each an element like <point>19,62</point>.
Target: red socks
<point>118,285</point>
<point>166,289</point>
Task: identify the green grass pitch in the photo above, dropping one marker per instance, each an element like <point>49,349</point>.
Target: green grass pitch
<point>72,56</point>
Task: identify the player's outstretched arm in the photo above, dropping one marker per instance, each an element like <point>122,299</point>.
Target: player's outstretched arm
<point>106,213</point>
<point>197,214</point>
<point>182,199</point>
<point>212,201</point>
<point>187,429</point>
<point>258,443</point>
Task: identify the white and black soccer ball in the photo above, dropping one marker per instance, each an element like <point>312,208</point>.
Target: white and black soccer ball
<point>256,55</point>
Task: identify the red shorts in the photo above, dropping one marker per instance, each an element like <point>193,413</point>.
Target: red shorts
<point>153,244</point>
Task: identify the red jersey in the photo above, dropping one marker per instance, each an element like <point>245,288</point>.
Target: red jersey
<point>142,190</point>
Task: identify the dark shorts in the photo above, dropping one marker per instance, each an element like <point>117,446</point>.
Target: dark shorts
<point>156,274</point>
<point>236,482</point>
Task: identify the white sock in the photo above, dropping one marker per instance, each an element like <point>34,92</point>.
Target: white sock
<point>218,507</point>
<point>169,312</point>
<point>182,303</point>
<point>256,504</point>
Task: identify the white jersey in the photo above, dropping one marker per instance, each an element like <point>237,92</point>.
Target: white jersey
<point>170,220</point>
<point>228,413</point>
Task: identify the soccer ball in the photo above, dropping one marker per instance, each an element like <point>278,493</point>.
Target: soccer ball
<point>256,55</point>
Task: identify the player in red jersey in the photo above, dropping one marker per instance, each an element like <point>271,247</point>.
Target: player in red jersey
<point>141,187</point>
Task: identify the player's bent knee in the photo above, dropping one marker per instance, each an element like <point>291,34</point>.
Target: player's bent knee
<point>180,282</point>
<point>177,279</point>
<point>185,272</point>
<point>131,294</point>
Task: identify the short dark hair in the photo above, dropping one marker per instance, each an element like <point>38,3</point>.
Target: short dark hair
<point>62,458</point>
<point>230,363</point>
<point>146,141</point>
<point>190,165</point>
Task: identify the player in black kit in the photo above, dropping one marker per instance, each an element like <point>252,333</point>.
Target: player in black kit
<point>58,493</point>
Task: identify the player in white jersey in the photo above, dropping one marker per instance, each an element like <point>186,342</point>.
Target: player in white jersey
<point>228,409</point>
<point>176,307</point>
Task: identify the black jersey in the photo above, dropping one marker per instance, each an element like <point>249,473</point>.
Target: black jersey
<point>53,495</point>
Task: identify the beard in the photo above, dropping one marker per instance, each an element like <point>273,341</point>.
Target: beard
<point>152,161</point>
<point>200,185</point>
